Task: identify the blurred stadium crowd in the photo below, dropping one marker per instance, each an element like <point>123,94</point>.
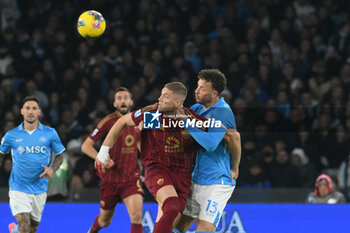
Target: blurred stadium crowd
<point>287,63</point>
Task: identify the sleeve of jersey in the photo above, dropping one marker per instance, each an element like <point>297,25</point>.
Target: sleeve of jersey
<point>99,132</point>
<point>137,116</point>
<point>5,144</point>
<point>56,144</point>
<point>211,139</point>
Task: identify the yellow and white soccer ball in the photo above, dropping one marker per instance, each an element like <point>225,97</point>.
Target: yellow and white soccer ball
<point>91,24</point>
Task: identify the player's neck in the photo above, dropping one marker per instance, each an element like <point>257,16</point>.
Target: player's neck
<point>30,126</point>
<point>212,102</point>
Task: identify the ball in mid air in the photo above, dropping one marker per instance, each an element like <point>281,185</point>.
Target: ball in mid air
<point>91,24</point>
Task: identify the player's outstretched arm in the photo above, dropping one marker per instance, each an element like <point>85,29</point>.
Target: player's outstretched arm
<point>233,140</point>
<point>112,136</point>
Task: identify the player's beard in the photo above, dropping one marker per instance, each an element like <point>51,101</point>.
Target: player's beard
<point>204,100</point>
<point>30,121</point>
<point>124,109</point>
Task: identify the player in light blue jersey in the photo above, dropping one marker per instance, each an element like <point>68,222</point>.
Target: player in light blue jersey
<point>31,145</point>
<point>216,168</point>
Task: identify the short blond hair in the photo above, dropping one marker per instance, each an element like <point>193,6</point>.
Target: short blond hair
<point>178,89</point>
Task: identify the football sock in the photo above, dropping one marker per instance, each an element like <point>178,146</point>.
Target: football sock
<point>171,208</point>
<point>95,227</point>
<point>136,228</point>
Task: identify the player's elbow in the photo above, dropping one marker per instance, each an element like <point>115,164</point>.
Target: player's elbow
<point>233,135</point>
<point>84,147</point>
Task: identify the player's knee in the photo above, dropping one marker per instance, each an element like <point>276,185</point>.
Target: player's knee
<point>104,222</point>
<point>136,217</point>
<point>172,206</point>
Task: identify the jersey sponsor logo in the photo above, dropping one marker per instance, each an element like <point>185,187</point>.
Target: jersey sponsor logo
<point>137,113</point>
<point>32,149</point>
<point>94,133</point>
<point>151,120</point>
<point>42,139</point>
<point>19,139</point>
<point>20,150</point>
<point>173,145</point>
<point>129,140</point>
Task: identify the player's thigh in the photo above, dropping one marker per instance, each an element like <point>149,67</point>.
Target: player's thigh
<point>34,225</point>
<point>212,202</point>
<point>133,205</point>
<point>164,193</point>
<point>109,195</point>
<point>106,216</point>
<point>159,182</point>
<point>20,202</point>
<point>23,221</point>
<point>39,201</point>
<point>192,207</point>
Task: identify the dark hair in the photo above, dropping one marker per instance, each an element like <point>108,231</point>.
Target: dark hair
<point>123,89</point>
<point>215,76</point>
<point>30,98</point>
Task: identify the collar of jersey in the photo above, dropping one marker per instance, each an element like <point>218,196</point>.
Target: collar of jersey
<point>20,127</point>
<point>219,103</point>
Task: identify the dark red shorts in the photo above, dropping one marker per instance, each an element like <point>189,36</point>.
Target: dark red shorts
<point>158,176</point>
<point>111,192</point>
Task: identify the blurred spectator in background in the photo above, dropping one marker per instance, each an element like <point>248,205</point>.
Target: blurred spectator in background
<point>304,168</point>
<point>344,176</point>
<point>254,177</point>
<point>325,192</point>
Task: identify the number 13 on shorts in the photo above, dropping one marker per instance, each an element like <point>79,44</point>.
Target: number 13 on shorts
<point>212,207</point>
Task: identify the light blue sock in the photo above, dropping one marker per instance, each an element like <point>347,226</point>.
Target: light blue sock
<point>15,229</point>
<point>175,230</point>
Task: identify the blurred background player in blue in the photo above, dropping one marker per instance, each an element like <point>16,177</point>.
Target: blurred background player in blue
<point>31,145</point>
<point>216,168</point>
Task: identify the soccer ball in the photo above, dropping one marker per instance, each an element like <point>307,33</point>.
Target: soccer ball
<point>91,24</point>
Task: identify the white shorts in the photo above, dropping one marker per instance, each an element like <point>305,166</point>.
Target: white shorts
<point>21,202</point>
<point>207,202</point>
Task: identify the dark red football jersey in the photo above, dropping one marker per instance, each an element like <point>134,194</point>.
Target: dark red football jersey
<point>123,152</point>
<point>173,147</point>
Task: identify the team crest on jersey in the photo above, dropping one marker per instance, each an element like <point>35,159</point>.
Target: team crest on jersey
<point>129,140</point>
<point>94,133</point>
<point>102,203</point>
<point>137,113</point>
<point>42,139</point>
<point>160,181</point>
<point>20,150</point>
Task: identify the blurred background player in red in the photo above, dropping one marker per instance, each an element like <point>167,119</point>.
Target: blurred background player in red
<point>167,153</point>
<point>122,180</point>
<point>325,192</point>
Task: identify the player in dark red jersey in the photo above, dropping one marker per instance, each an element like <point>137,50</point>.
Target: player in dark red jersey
<point>121,181</point>
<point>167,153</point>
